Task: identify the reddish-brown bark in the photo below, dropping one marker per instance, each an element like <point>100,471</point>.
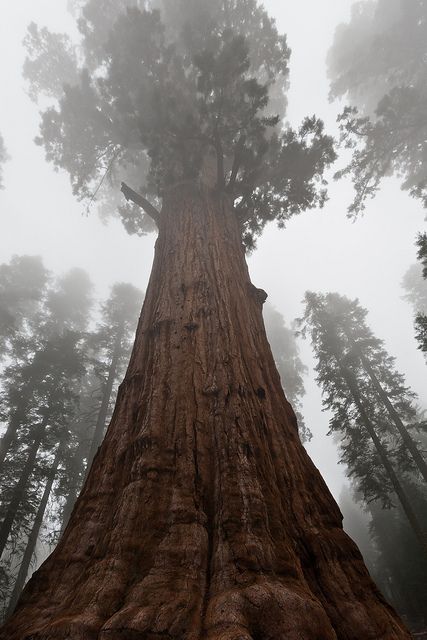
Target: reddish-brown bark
<point>202,515</point>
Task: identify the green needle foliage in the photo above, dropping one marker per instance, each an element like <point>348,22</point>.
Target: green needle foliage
<point>152,90</point>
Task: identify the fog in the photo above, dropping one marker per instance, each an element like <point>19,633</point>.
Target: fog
<point>319,250</point>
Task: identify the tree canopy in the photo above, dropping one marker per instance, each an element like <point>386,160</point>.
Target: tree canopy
<point>155,92</point>
<point>378,64</point>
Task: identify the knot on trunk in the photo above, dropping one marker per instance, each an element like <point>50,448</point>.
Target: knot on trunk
<point>259,294</point>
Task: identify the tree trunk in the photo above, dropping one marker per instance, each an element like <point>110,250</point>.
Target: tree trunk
<point>382,453</point>
<point>17,418</point>
<point>7,439</point>
<point>76,470</point>
<point>18,492</point>
<point>34,534</point>
<point>202,515</point>
<point>410,444</point>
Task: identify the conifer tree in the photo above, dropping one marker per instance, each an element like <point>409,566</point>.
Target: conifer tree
<point>23,287</point>
<point>380,532</point>
<point>372,409</point>
<point>39,401</point>
<point>202,515</point>
<point>286,356</point>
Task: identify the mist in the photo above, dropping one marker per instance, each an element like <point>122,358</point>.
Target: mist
<point>369,256</point>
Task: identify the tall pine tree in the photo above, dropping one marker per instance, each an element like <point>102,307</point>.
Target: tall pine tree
<point>372,409</point>
<point>40,392</point>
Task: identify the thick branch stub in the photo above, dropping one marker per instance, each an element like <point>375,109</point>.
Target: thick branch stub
<point>142,202</point>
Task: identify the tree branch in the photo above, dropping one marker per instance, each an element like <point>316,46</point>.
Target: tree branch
<point>142,202</point>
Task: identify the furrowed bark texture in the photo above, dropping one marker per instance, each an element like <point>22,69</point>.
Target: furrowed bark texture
<point>202,515</point>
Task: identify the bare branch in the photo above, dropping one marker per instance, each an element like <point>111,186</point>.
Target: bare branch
<point>142,202</point>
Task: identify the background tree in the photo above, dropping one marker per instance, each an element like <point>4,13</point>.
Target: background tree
<point>193,519</point>
<point>379,532</point>
<point>286,356</point>
<point>23,285</point>
<point>363,391</point>
<point>378,63</point>
<point>40,386</point>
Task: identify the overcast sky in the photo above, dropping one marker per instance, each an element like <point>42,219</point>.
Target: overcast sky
<point>320,250</point>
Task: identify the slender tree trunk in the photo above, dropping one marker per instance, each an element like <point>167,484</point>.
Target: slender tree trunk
<point>34,534</point>
<point>7,439</point>
<point>383,455</point>
<point>99,428</point>
<point>202,516</point>
<point>76,471</point>
<point>410,444</point>
<point>106,396</point>
<point>19,489</point>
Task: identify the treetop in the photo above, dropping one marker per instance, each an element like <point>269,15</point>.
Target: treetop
<point>153,89</point>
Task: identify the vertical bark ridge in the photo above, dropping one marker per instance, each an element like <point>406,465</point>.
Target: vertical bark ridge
<point>202,515</point>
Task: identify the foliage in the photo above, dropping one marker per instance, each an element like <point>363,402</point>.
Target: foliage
<point>378,61</point>
<point>40,389</point>
<point>161,86</point>
<point>415,286</point>
<point>22,290</point>
<point>51,62</point>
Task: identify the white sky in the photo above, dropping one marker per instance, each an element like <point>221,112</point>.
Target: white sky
<point>320,250</point>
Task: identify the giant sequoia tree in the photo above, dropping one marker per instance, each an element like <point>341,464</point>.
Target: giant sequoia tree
<point>202,515</point>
